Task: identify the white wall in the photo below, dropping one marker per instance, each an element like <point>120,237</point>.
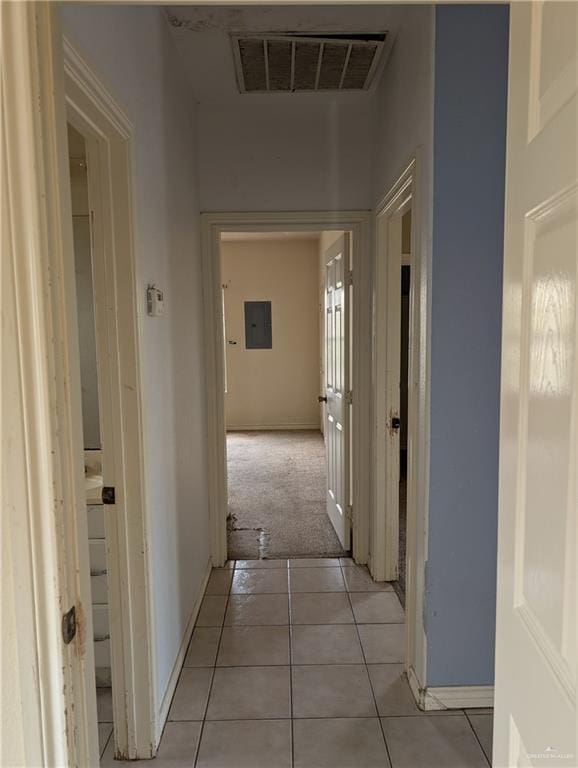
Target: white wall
<point>131,50</point>
<point>275,387</point>
<point>285,155</point>
<point>404,104</point>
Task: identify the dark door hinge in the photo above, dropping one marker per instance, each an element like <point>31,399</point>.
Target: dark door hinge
<point>69,625</point>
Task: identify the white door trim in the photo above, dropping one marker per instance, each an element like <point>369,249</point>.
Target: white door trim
<point>386,363</point>
<point>358,222</point>
<point>108,134</point>
<point>384,532</point>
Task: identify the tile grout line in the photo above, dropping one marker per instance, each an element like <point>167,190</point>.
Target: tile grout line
<point>303,664</point>
<point>204,720</point>
<point>290,665</point>
<point>290,626</point>
<point>110,736</point>
<point>420,714</point>
<point>477,738</point>
<point>386,745</point>
<point>318,624</point>
<point>315,592</point>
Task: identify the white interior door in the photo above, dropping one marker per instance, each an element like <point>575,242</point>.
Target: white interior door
<point>337,411</point>
<point>535,693</point>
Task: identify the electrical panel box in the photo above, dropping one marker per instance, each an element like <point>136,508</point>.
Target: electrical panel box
<point>258,331</point>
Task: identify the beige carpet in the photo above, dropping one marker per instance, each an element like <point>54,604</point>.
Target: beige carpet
<point>277,496</point>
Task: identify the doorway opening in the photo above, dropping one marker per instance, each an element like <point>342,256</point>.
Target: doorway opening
<point>285,300</point>
<point>112,537</point>
<point>91,430</point>
<point>399,365</point>
<point>405,299</point>
<point>357,225</point>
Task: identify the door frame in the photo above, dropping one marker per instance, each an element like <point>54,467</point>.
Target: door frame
<point>108,135</point>
<point>43,487</point>
<point>48,531</point>
<point>402,196</point>
<point>359,224</point>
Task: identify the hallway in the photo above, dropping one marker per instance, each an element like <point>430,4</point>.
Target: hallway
<point>277,506</point>
<point>299,665</point>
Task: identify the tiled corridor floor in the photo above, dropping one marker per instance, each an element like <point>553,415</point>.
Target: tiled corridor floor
<point>299,665</point>
<point>104,706</point>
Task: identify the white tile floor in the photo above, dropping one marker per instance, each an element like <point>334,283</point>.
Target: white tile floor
<point>299,664</point>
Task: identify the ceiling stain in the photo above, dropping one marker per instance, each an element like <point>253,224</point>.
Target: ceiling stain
<point>206,21</point>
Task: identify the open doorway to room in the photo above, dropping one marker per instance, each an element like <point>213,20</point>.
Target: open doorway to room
<point>91,429</point>
<point>396,400</point>
<point>286,335</point>
<point>100,283</point>
<point>405,288</point>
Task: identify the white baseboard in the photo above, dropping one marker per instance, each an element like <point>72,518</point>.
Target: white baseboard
<point>415,686</point>
<point>459,697</point>
<point>180,658</point>
<point>450,697</point>
<point>270,427</point>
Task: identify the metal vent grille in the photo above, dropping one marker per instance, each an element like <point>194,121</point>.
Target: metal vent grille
<point>267,63</point>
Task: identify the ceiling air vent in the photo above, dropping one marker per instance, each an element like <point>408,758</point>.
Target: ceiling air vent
<point>285,63</point>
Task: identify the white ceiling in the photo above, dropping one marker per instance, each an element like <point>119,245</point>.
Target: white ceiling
<point>202,36</point>
<point>251,236</point>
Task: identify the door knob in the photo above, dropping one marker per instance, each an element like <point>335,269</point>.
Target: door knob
<point>322,398</point>
<point>395,422</point>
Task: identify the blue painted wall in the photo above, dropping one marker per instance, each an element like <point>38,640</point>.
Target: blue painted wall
<point>471,65</point>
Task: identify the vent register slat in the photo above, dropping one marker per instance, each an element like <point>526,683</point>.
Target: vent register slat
<point>288,63</point>
<point>360,60</point>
